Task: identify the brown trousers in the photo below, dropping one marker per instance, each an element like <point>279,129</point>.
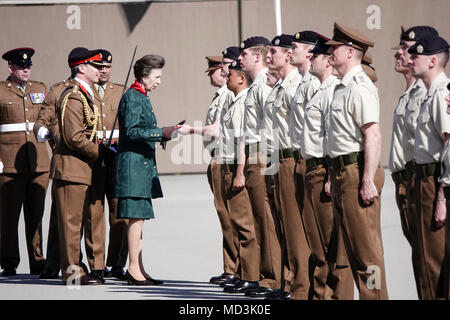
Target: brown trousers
<point>240,211</point>
<point>361,230</point>
<point>266,235</point>
<point>330,279</point>
<point>52,261</point>
<point>297,250</point>
<point>95,224</point>
<point>229,237</point>
<point>430,240</point>
<point>17,190</point>
<point>71,201</point>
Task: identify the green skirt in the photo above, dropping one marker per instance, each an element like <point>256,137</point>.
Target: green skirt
<point>137,208</point>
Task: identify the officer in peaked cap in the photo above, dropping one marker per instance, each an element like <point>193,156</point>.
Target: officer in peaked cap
<point>429,57</point>
<point>81,55</point>
<point>25,163</point>
<point>213,63</point>
<point>348,147</point>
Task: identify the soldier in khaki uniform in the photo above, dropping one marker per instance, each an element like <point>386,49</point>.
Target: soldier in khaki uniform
<point>25,163</point>
<point>429,57</point>
<point>75,154</point>
<point>332,277</point>
<point>402,141</point>
<point>106,97</point>
<point>354,146</point>
<point>295,248</point>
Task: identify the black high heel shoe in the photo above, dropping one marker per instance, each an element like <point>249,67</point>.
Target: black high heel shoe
<point>133,281</point>
<point>153,282</point>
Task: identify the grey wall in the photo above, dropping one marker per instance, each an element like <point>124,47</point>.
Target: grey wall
<point>184,33</point>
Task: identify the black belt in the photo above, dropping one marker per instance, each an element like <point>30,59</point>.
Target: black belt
<point>346,159</point>
<point>447,192</point>
<point>400,176</point>
<point>427,170</point>
<point>297,155</point>
<point>286,153</point>
<point>254,147</point>
<point>410,166</point>
<point>313,163</point>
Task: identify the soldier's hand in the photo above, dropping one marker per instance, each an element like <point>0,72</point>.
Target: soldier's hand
<point>184,130</point>
<point>440,212</point>
<point>167,132</point>
<point>238,182</point>
<point>368,191</point>
<point>107,154</point>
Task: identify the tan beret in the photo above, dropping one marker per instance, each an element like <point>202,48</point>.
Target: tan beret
<point>350,37</point>
<point>213,62</point>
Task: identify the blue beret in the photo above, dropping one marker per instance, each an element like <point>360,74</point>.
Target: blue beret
<point>429,46</point>
<point>308,37</point>
<point>19,56</point>
<point>321,47</point>
<point>254,41</point>
<point>417,33</point>
<point>231,53</point>
<point>283,40</point>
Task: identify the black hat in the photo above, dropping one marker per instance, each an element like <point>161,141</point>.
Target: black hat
<point>106,55</point>
<point>254,41</point>
<point>308,37</point>
<point>231,53</point>
<point>19,56</point>
<point>418,33</point>
<point>283,40</point>
<point>81,55</point>
<point>321,47</point>
<point>235,65</point>
<point>429,46</point>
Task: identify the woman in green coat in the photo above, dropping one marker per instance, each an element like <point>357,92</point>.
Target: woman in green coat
<point>137,180</point>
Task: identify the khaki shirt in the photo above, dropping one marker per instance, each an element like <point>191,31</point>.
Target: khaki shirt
<point>306,89</point>
<point>416,96</point>
<point>314,135</point>
<point>231,126</point>
<point>267,140</point>
<point>445,163</point>
<point>355,104</point>
<point>254,104</point>
<point>282,109</point>
<point>432,123</point>
<point>222,97</point>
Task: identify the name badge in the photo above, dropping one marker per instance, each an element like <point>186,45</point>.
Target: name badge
<point>37,97</point>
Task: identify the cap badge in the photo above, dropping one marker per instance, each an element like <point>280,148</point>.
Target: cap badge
<point>109,58</point>
<point>234,63</point>
<point>101,57</point>
<point>224,52</point>
<point>419,48</point>
<point>25,56</point>
<point>297,35</point>
<point>277,42</point>
<point>242,45</point>
<point>412,35</point>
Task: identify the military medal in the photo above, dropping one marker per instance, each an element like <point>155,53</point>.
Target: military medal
<point>37,97</point>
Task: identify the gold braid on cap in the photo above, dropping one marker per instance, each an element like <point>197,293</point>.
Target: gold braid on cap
<point>91,117</point>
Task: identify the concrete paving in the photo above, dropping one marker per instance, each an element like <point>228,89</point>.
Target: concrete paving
<point>182,247</point>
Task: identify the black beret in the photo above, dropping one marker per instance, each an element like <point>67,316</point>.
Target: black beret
<point>231,53</point>
<point>283,40</point>
<point>81,55</point>
<point>418,33</point>
<point>106,55</point>
<point>19,56</point>
<point>236,65</point>
<point>254,41</point>
<point>321,47</point>
<point>308,37</point>
<point>429,46</point>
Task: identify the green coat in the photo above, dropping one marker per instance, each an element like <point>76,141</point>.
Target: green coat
<point>136,174</point>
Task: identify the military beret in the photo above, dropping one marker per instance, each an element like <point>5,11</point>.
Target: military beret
<point>370,72</point>
<point>19,56</point>
<point>350,37</point>
<point>308,37</point>
<point>283,40</point>
<point>254,41</point>
<point>106,55</point>
<point>231,53</point>
<point>213,62</point>
<point>236,65</point>
<point>81,55</point>
<point>418,33</point>
<point>429,46</point>
<point>320,47</point>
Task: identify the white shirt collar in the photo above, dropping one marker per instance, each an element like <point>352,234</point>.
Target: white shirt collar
<point>85,86</point>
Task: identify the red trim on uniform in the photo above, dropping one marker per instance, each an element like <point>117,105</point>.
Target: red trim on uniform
<point>137,86</point>
<point>96,57</point>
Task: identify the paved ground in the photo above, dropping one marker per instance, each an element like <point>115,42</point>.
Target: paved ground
<point>182,246</point>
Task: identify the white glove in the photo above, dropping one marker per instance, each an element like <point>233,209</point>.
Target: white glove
<point>1,167</point>
<point>43,134</point>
